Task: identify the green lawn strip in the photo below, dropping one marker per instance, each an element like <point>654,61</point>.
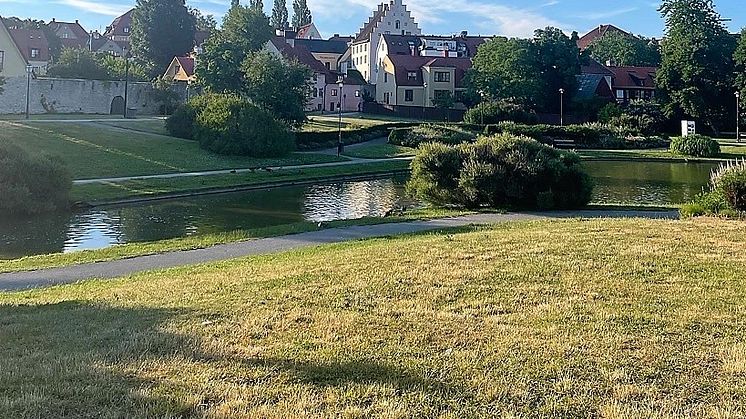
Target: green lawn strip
<point>58,117</point>
<point>566,318</point>
<point>379,151</point>
<point>110,191</point>
<point>130,250</point>
<point>94,151</point>
<point>728,153</point>
<point>152,126</point>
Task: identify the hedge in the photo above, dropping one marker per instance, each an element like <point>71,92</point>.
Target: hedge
<point>428,133</point>
<point>315,140</point>
<point>695,146</point>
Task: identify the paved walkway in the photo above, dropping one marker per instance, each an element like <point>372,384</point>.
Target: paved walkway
<point>114,269</point>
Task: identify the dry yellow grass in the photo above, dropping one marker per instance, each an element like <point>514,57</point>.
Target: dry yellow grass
<point>578,318</point>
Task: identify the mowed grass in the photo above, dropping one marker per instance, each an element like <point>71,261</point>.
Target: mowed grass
<point>379,151</point>
<point>152,126</point>
<point>727,153</point>
<point>93,150</point>
<point>112,191</point>
<point>573,319</point>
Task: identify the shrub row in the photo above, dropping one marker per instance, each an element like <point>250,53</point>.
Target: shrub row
<point>31,185</point>
<point>727,194</point>
<point>312,140</point>
<point>228,124</point>
<point>578,136</point>
<point>502,171</point>
<point>695,146</point>
<point>495,112</point>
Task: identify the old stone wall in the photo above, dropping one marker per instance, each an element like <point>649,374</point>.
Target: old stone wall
<point>61,96</point>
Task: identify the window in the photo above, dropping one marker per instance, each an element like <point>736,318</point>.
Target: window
<point>442,77</point>
<point>321,92</point>
<point>398,24</point>
<point>34,53</point>
<point>620,94</point>
<point>328,66</point>
<point>409,95</point>
<point>385,77</point>
<point>315,93</point>
<point>334,92</point>
<point>2,60</point>
<point>126,29</point>
<point>357,93</point>
<point>440,94</point>
<point>388,32</point>
<point>411,75</point>
<point>65,35</point>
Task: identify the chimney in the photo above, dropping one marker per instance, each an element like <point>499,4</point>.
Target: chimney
<point>464,34</point>
<point>77,21</point>
<point>54,20</point>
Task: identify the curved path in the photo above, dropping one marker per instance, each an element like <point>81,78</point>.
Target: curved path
<point>33,279</point>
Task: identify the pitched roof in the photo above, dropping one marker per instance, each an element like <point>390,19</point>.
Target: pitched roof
<point>117,26</point>
<point>594,67</point>
<point>81,36</point>
<point>200,37</point>
<point>31,39</point>
<point>304,30</point>
<point>592,85</point>
<point>597,33</point>
<point>187,64</point>
<point>405,64</point>
<point>367,29</point>
<point>634,77</point>
<point>400,44</point>
<point>299,53</point>
<point>323,45</point>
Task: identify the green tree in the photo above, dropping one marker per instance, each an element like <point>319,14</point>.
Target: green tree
<point>279,14</point>
<point>278,86</point>
<point>444,100</point>
<point>558,63</point>
<point>203,22</point>
<point>77,63</point>
<point>696,73</point>
<point>257,4</point>
<point>625,50</point>
<point>116,68</point>
<point>245,30</point>
<point>161,30</point>
<point>739,57</point>
<point>301,13</point>
<point>506,69</point>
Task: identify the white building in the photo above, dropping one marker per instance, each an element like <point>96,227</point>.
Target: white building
<point>390,18</point>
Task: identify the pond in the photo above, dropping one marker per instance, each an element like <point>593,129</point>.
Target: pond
<point>616,182</point>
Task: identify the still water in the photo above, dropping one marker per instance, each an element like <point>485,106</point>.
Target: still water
<point>625,182</point>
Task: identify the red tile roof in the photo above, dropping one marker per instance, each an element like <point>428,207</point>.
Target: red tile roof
<point>302,32</point>
<point>597,33</point>
<point>187,64</point>
<point>31,39</point>
<point>81,35</point>
<point>634,77</point>
<point>594,67</point>
<point>299,53</point>
<point>117,26</point>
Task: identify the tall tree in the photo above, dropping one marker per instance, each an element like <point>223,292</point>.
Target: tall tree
<point>245,30</point>
<point>279,14</point>
<point>161,30</point>
<point>739,58</point>
<point>301,14</point>
<point>278,86</point>
<point>203,22</point>
<point>558,62</point>
<point>257,4</point>
<point>625,50</point>
<point>696,73</point>
<point>234,3</point>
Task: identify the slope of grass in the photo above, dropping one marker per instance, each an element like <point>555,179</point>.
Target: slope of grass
<point>728,153</point>
<point>379,151</point>
<point>94,150</point>
<point>561,319</point>
<point>153,126</point>
<point>110,191</point>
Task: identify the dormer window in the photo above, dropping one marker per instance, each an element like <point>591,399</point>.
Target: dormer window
<point>412,75</point>
<point>126,29</point>
<point>34,53</point>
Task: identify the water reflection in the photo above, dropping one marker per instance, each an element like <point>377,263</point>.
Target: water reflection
<point>628,182</point>
<point>98,228</point>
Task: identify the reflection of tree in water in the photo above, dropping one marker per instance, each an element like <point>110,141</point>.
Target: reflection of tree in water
<point>31,236</point>
<point>351,200</point>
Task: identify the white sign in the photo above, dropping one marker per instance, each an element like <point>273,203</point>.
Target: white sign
<point>688,128</point>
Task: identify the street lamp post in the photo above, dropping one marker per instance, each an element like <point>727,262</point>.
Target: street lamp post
<point>29,71</point>
<point>340,146</point>
<point>126,81</point>
<point>424,101</point>
<point>738,117</point>
<point>481,105</point>
<point>562,107</point>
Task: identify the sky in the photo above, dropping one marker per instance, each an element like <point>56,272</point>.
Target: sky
<point>441,17</point>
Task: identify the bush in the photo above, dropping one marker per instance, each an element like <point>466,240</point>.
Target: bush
<point>181,123</point>
<point>695,146</point>
<point>446,134</point>
<point>31,185</point>
<point>583,136</point>
<point>314,140</point>
<point>503,171</point>
<point>231,125</point>
<point>727,194</point>
<point>609,112</point>
<point>494,112</point>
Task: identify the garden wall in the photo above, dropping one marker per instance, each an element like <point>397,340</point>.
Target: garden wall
<point>61,96</point>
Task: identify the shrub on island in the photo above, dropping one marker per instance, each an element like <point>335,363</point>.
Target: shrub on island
<point>502,171</point>
<point>695,146</point>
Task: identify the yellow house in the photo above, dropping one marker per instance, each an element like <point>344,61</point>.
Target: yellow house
<point>12,61</point>
<point>181,69</point>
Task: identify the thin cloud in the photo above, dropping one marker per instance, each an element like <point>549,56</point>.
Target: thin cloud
<point>97,8</point>
<point>608,14</point>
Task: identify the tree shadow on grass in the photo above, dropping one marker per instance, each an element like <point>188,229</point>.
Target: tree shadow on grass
<point>75,359</point>
<point>65,359</point>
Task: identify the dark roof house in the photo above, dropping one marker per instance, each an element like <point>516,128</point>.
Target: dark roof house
<point>406,64</point>
<point>32,43</point>
<point>70,34</point>
<point>586,40</point>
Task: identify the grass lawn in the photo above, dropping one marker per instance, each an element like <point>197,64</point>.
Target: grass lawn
<point>329,123</point>
<point>574,318</point>
<point>379,151</point>
<point>94,150</point>
<point>126,251</point>
<point>109,191</point>
<point>728,153</point>
<point>152,126</point>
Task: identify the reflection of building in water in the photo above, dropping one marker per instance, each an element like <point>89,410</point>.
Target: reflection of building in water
<point>343,201</point>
